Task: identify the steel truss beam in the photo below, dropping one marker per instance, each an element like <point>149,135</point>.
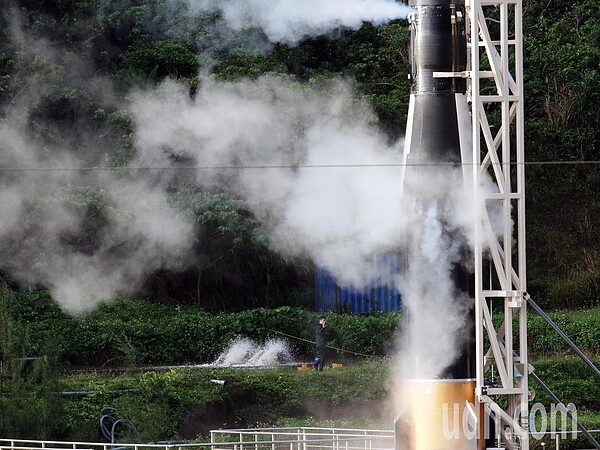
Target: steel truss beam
<point>495,80</point>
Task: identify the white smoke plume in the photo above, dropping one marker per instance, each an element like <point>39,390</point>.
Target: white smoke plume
<point>41,212</point>
<point>320,212</point>
<point>309,161</point>
<point>46,186</point>
<point>433,336</point>
<point>290,21</point>
<point>326,185</point>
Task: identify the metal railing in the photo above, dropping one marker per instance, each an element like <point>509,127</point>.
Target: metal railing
<point>560,435</point>
<point>29,444</point>
<point>263,439</point>
<point>303,438</point>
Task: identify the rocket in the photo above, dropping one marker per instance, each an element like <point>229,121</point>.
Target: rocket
<point>438,137</point>
<point>438,127</point>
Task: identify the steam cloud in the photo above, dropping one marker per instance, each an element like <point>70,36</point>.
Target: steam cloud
<point>311,212</point>
<point>45,180</point>
<point>143,232</point>
<point>309,160</point>
<point>332,192</point>
<point>290,21</point>
<point>309,203</point>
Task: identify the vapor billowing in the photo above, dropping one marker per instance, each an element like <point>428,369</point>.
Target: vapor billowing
<point>43,217</point>
<point>325,184</point>
<point>309,160</point>
<point>290,21</point>
<point>334,215</point>
<point>309,203</point>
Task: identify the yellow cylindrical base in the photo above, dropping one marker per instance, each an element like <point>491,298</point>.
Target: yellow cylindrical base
<point>436,414</point>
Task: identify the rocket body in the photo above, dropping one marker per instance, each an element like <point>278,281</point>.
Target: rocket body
<point>438,135</point>
<point>438,138</point>
<point>437,129</point>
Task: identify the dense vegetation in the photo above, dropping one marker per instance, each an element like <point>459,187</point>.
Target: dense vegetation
<point>56,61</point>
<point>65,70</point>
<point>126,332</point>
<point>561,70</point>
<point>186,404</point>
<point>116,344</point>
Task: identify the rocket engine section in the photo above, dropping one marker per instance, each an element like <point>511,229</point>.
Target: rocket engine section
<point>438,44</point>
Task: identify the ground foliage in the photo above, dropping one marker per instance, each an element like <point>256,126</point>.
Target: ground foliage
<point>127,332</point>
<point>562,76</point>
<point>130,43</point>
<point>185,403</point>
<point>119,341</point>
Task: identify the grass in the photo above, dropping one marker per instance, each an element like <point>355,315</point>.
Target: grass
<point>185,403</point>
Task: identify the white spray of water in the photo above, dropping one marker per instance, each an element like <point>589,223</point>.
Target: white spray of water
<point>291,20</point>
<point>246,352</point>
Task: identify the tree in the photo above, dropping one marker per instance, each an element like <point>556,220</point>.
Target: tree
<point>28,386</point>
<point>234,268</point>
<point>562,80</point>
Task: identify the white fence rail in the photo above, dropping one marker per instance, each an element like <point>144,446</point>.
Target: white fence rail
<point>262,439</point>
<point>303,438</point>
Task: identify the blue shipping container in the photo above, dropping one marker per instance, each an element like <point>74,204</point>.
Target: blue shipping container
<point>379,295</point>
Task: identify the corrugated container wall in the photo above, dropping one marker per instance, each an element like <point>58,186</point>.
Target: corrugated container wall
<point>379,295</point>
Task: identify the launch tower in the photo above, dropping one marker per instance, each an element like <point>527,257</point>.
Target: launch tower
<point>466,109</point>
<point>495,88</point>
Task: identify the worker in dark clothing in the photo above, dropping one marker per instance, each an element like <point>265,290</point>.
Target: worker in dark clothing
<point>321,342</point>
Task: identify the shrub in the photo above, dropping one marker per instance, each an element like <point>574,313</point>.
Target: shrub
<point>125,332</point>
<point>578,289</point>
<point>151,59</point>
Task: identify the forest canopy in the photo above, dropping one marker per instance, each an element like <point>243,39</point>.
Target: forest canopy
<point>109,185</point>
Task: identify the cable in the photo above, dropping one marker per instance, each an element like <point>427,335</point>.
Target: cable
<point>109,424</point>
<point>283,166</point>
<point>552,395</point>
<point>328,346</point>
<point>564,337</point>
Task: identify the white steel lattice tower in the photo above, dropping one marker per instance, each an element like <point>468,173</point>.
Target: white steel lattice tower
<point>495,90</point>
<point>466,111</point>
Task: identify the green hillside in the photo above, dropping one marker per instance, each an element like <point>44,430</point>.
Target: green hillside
<point>68,74</point>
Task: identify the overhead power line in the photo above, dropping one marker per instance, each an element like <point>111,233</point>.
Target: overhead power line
<point>281,166</point>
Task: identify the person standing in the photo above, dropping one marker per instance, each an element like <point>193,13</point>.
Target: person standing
<point>321,342</point>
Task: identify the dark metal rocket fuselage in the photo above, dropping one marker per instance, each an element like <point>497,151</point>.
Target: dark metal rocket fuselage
<point>437,142</point>
<point>438,44</point>
<point>438,50</point>
<point>438,128</point>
